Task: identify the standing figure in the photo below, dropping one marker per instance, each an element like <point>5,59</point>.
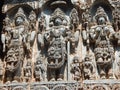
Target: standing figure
<point>28,71</point>
<point>40,70</point>
<point>56,45</point>
<point>15,49</point>
<point>6,33</point>
<point>88,68</point>
<point>76,69</point>
<point>31,34</point>
<point>102,35</point>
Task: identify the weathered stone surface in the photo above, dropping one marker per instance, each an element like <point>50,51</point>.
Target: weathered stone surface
<point>60,45</point>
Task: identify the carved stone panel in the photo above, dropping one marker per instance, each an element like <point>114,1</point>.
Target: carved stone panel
<point>60,45</point>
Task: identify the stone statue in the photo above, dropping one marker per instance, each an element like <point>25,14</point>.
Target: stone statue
<point>40,70</point>
<point>76,69</point>
<point>30,35</point>
<point>102,35</point>
<point>74,18</point>
<point>40,34</point>
<point>88,68</point>
<point>28,71</point>
<point>57,49</point>
<point>32,28</point>
<point>6,33</point>
<point>15,50</point>
<point>86,19</point>
<point>74,30</point>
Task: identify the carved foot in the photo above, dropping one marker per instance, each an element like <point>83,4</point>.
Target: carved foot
<point>110,76</point>
<point>53,79</point>
<point>15,81</point>
<point>102,75</point>
<point>59,79</point>
<point>99,60</point>
<point>8,82</point>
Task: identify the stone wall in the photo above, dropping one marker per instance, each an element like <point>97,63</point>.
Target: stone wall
<point>60,45</point>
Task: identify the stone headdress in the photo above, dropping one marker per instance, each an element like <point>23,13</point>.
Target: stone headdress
<point>32,15</point>
<point>20,13</point>
<point>101,13</point>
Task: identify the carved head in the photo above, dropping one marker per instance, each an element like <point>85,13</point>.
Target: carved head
<point>28,63</point>
<point>20,17</point>
<point>58,18</point>
<point>58,21</point>
<point>32,16</point>
<point>6,21</point>
<point>87,58</point>
<point>101,16</point>
<point>39,60</point>
<point>76,59</point>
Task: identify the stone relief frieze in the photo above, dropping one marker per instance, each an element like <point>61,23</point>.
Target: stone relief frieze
<point>60,45</point>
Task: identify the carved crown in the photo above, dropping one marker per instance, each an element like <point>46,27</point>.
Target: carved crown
<point>32,15</point>
<point>20,13</point>
<point>100,13</point>
<point>58,13</point>
<point>6,20</point>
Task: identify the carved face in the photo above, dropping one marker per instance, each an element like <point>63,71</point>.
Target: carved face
<point>32,17</point>
<point>101,20</point>
<point>58,21</point>
<point>19,20</point>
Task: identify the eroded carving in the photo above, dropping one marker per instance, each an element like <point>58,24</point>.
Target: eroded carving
<point>89,67</point>
<point>76,69</point>
<point>40,69</point>
<point>102,35</point>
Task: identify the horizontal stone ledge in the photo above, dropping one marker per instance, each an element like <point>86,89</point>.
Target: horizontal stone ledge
<point>105,81</point>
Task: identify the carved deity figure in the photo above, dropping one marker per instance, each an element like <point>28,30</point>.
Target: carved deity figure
<point>73,33</point>
<point>28,71</point>
<point>30,37</point>
<point>54,38</point>
<point>86,19</point>
<point>88,68</point>
<point>6,33</point>
<point>102,35</point>
<point>76,69</point>
<point>74,18</point>
<point>40,70</point>
<point>40,36</point>
<point>15,47</point>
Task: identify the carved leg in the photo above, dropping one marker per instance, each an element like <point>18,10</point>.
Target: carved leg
<point>102,74</point>
<point>110,74</point>
<point>8,77</point>
<point>52,75</point>
<point>61,73</point>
